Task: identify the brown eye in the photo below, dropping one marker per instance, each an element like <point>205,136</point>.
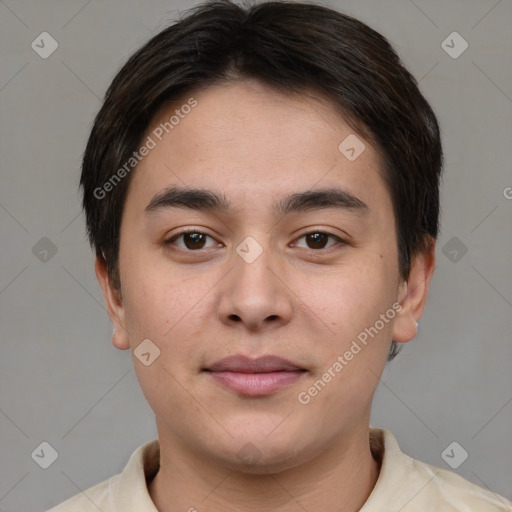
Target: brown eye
<point>318,240</point>
<point>191,240</point>
<point>194,240</point>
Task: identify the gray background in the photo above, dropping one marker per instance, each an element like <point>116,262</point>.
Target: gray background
<point>61,379</point>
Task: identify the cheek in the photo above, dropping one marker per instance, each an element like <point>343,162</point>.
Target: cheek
<point>351,305</point>
<point>351,293</point>
<point>167,309</point>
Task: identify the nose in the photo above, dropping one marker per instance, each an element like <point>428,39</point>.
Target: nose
<point>254,295</point>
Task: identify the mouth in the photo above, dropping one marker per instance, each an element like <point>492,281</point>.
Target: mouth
<point>254,377</point>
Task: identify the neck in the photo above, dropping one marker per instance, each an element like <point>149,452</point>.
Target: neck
<point>339,479</point>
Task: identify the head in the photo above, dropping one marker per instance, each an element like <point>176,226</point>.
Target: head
<point>298,127</point>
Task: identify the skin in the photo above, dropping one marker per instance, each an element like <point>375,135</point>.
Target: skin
<point>297,300</point>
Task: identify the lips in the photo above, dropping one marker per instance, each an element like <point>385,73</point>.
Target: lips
<point>254,377</point>
<point>242,364</point>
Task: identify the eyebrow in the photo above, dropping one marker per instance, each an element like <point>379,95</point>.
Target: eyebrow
<point>297,202</point>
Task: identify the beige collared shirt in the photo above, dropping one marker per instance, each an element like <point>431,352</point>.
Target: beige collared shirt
<point>404,485</point>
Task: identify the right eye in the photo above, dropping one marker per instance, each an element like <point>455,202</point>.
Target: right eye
<point>192,240</point>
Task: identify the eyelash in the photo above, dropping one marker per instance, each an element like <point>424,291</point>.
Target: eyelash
<point>174,237</point>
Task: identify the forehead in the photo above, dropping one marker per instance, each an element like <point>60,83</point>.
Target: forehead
<point>251,142</point>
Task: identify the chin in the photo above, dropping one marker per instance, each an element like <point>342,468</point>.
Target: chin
<point>253,461</point>
<point>260,453</point>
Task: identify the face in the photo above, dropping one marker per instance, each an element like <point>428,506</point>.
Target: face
<point>282,273</point>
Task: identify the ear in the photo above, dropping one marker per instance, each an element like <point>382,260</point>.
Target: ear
<point>413,295</point>
<point>114,305</point>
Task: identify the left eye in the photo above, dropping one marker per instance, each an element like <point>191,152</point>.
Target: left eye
<point>318,239</point>
<point>192,240</point>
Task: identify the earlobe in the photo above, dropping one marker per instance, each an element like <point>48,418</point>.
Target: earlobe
<point>120,339</point>
<point>114,306</point>
<point>413,295</point>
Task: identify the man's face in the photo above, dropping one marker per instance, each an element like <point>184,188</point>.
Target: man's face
<point>287,291</point>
